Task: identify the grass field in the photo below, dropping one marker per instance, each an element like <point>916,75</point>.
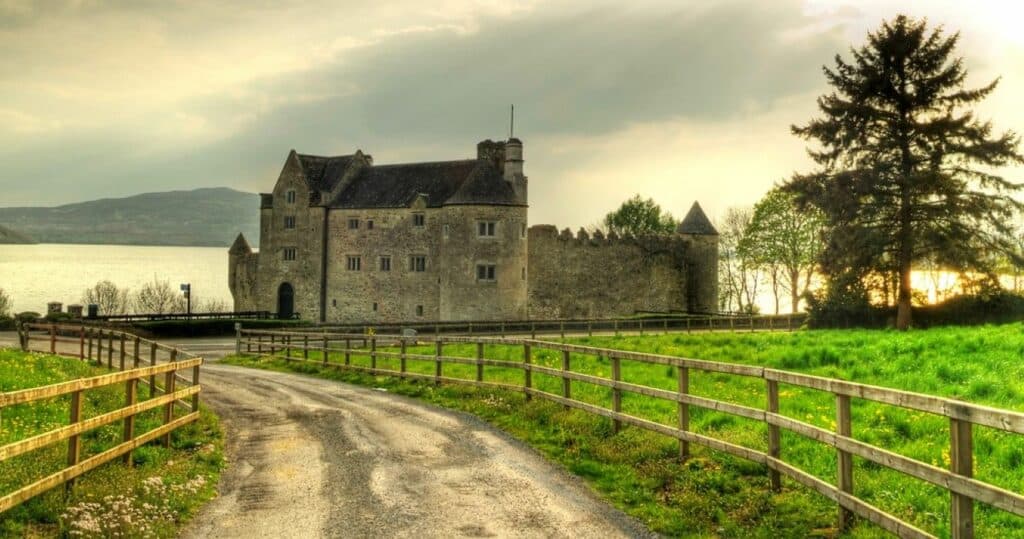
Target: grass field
<point>151,499</point>
<point>717,495</point>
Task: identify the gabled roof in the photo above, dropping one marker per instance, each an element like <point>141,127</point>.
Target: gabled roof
<point>485,185</point>
<point>696,222</point>
<point>323,173</point>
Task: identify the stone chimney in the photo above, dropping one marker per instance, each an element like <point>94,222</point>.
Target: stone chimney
<point>492,151</point>
<point>513,159</point>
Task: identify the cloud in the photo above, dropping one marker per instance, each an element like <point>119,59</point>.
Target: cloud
<point>109,99</point>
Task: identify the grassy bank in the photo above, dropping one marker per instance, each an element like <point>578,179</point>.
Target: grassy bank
<point>717,495</point>
<point>161,491</point>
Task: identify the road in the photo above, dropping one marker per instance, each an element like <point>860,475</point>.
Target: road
<point>314,458</point>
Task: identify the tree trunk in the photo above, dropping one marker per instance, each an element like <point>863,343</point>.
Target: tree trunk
<point>775,287</point>
<point>794,287</point>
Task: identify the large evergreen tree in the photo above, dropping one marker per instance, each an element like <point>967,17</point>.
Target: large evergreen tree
<point>906,172</point>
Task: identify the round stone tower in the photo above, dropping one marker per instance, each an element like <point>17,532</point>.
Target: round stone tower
<point>701,261</point>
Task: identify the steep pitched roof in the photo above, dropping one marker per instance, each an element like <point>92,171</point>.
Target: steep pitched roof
<point>469,181</point>
<point>485,185</point>
<point>323,173</point>
<point>240,247</point>
<point>696,222</point>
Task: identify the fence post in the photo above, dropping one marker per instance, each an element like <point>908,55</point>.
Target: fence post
<point>401,357</point>
<point>561,329</point>
<point>751,323</point>
<point>273,340</point>
<point>684,411</point>
<point>135,354</point>
<point>961,451</point>
<point>130,397</point>
<point>53,338</point>
<point>533,330</point>
<point>616,392</point>
<point>305,346</point>
<point>687,324</point>
<point>479,360</point>
<point>90,345</point>
<point>122,356</point>
<point>152,377</point>
<point>348,348</point>
<point>566,382</point>
<point>789,322</point>
<point>168,389</point>
<point>774,446</point>
<point>74,442</point>
<point>81,342</point>
<point>110,350</point>
<point>845,461</point>
<point>665,329</point>
<point>238,339</point>
<point>287,339</point>
<point>195,382</point>
<point>437,362</point>
<point>641,327</point>
<point>616,325</point>
<point>373,355</point>
<point>527,372</point>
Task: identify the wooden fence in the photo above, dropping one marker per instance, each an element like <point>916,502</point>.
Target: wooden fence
<point>124,353</point>
<point>587,326</point>
<point>337,350</point>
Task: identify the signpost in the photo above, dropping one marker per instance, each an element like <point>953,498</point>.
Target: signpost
<point>186,288</point>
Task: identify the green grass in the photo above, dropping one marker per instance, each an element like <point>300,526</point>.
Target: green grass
<point>715,494</point>
<point>162,489</point>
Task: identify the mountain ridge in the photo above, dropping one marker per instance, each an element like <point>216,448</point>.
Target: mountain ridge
<point>208,217</point>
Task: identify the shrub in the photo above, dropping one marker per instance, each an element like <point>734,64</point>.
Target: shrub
<point>5,304</point>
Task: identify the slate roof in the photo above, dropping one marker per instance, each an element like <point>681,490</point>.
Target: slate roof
<point>696,222</point>
<point>240,246</point>
<point>323,173</point>
<point>470,181</point>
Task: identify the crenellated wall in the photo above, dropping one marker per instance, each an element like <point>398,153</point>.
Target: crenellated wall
<point>576,276</point>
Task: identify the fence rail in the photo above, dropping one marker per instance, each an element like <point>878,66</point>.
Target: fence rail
<point>89,344</point>
<point>339,349</point>
<point>589,326</point>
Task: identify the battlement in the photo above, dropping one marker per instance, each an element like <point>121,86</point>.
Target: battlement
<point>653,242</point>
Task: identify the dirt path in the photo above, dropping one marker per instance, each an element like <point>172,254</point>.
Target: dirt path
<point>313,458</point>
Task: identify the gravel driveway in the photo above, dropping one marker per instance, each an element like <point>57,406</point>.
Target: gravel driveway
<point>314,458</point>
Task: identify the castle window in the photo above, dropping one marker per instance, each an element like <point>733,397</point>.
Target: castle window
<point>290,196</point>
<point>417,263</point>
<point>353,224</point>
<point>289,221</point>
<point>334,303</point>
<point>446,231</point>
<point>485,272</point>
<point>485,229</point>
<point>375,306</point>
<point>419,220</point>
<point>385,263</point>
<point>419,310</point>
<point>289,253</point>
<point>369,224</point>
<point>524,274</point>
<point>354,263</point>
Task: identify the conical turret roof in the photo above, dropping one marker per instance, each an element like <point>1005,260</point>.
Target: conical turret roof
<point>240,247</point>
<point>696,222</point>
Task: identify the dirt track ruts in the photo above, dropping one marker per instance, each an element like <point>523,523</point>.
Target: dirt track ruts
<point>314,458</point>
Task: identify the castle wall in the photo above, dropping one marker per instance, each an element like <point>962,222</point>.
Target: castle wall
<point>463,296</point>
<point>243,271</point>
<point>304,272</point>
<point>582,277</point>
<point>398,292</point>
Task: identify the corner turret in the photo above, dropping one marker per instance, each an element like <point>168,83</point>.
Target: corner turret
<point>696,223</point>
<point>701,261</point>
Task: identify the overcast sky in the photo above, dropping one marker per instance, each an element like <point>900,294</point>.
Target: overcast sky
<point>676,100</point>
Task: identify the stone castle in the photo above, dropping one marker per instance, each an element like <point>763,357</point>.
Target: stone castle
<point>344,240</point>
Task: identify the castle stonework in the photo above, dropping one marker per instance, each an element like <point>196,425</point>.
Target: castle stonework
<point>344,240</point>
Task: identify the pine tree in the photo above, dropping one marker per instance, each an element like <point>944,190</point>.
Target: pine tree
<point>906,172</point>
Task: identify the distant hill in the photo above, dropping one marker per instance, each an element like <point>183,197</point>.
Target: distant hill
<point>202,217</point>
<point>9,236</point>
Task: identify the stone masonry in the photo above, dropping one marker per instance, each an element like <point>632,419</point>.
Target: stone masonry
<point>344,240</point>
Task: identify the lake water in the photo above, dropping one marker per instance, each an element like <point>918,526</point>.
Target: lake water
<point>34,275</point>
